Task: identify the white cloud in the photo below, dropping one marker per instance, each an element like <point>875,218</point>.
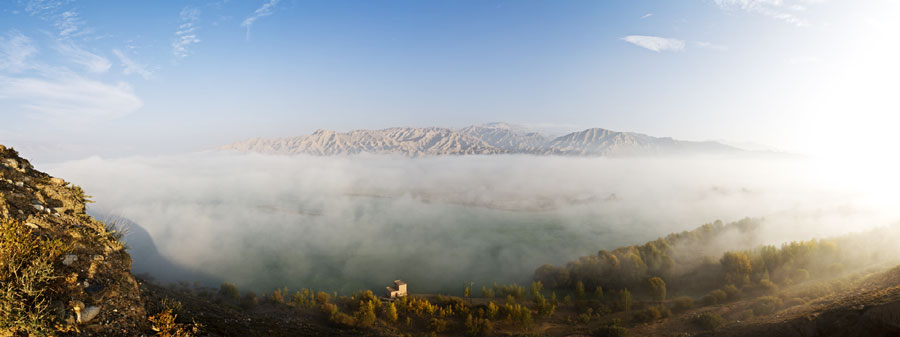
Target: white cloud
<point>186,35</point>
<point>709,45</point>
<point>90,61</point>
<point>266,10</point>
<point>655,43</point>
<point>69,24</point>
<point>70,97</point>
<point>646,15</point>
<point>776,9</point>
<point>132,67</point>
<point>15,50</point>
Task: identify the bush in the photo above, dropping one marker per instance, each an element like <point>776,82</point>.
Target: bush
<point>746,314</point>
<point>709,321</point>
<point>250,300</point>
<point>230,291</point>
<point>715,297</point>
<point>766,305</point>
<point>652,313</point>
<point>26,271</point>
<point>682,304</point>
<point>610,331</point>
<point>437,325</point>
<point>794,301</point>
<point>768,285</point>
<point>731,292</point>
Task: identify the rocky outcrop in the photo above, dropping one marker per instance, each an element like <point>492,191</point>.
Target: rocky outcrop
<point>91,288</point>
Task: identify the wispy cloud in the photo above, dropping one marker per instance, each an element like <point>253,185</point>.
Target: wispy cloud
<point>70,97</point>
<point>267,9</point>
<point>132,67</point>
<point>69,24</point>
<point>15,50</point>
<point>655,43</point>
<point>90,61</point>
<point>710,45</point>
<point>186,35</point>
<point>776,9</point>
<point>57,93</point>
<point>646,15</point>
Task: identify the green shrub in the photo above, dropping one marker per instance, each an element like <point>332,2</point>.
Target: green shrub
<point>709,321</point>
<point>746,314</point>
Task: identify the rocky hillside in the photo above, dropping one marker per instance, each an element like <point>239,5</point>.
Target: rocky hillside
<point>61,270</point>
<point>495,138</point>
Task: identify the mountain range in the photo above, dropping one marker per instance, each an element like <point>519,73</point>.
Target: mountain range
<point>493,138</point>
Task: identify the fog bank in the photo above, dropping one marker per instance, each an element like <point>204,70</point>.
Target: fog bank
<point>349,223</point>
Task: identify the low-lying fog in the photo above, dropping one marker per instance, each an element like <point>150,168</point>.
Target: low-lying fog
<point>350,223</point>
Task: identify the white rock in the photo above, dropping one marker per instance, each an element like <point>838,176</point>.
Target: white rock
<point>20,184</point>
<point>69,259</point>
<point>31,225</point>
<point>38,207</point>
<point>88,314</point>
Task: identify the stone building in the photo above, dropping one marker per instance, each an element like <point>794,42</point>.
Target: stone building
<point>398,290</point>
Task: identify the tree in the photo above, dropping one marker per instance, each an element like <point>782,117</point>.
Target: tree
<point>598,292</point>
<point>536,288</point>
<point>391,312</point>
<point>658,288</point>
<point>625,300</point>
<point>552,276</point>
<point>737,268</point>
<point>365,316</point>
<point>579,289</point>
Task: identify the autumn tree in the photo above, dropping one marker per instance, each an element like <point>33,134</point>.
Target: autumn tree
<point>658,288</point>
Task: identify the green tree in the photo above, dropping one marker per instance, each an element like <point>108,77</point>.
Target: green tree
<point>658,289</point>
<point>579,289</point>
<point>598,292</point>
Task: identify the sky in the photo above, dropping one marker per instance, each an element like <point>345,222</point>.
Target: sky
<point>83,78</point>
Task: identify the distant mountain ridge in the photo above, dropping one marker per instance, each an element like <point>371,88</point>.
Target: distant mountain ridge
<point>493,138</point>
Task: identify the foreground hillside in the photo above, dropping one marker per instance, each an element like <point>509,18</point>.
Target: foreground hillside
<point>65,273</point>
<point>495,138</point>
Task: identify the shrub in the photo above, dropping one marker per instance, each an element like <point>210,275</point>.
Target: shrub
<point>794,301</point>
<point>230,291</point>
<point>437,325</point>
<point>26,272</point>
<point>250,300</point>
<point>746,314</point>
<point>610,331</point>
<point>714,297</point>
<point>731,292</point>
<point>709,321</point>
<point>682,304</point>
<point>800,275</point>
<point>647,315</point>
<point>766,305</point>
<point>768,285</point>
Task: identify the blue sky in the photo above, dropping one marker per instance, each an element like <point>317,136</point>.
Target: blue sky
<point>80,78</point>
